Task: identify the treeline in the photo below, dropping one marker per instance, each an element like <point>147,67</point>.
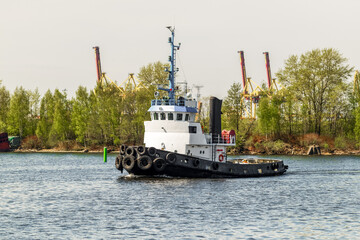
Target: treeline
<point>315,99</point>
<point>105,115</point>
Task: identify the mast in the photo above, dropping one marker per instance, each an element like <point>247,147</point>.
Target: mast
<point>173,69</point>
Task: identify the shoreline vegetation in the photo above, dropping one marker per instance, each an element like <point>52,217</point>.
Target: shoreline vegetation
<point>316,104</point>
<point>297,152</point>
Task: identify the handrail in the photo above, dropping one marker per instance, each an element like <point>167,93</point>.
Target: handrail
<point>218,139</point>
<point>168,102</point>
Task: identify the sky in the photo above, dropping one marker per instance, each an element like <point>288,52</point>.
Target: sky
<point>47,44</point>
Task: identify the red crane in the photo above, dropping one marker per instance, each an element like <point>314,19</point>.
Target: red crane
<point>268,70</point>
<point>243,70</point>
<point>98,63</point>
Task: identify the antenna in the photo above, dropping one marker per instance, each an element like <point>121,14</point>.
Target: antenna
<point>173,69</point>
<point>198,87</point>
<point>184,83</point>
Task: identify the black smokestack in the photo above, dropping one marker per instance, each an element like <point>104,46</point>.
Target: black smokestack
<point>215,117</point>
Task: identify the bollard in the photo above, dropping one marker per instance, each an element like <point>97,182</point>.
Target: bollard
<point>105,154</point>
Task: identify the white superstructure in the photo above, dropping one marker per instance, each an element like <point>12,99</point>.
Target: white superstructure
<point>173,128</point>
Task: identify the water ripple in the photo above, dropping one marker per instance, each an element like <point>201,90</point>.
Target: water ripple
<point>77,196</point>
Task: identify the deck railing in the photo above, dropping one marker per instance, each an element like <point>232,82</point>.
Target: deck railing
<point>218,139</point>
<point>168,102</point>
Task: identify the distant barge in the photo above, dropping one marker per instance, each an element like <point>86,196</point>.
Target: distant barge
<point>4,142</point>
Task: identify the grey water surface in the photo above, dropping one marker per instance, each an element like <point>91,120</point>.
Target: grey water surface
<point>78,196</point>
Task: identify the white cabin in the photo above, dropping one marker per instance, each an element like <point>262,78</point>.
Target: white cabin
<point>173,128</point>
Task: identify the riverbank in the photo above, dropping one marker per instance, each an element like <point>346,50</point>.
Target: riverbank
<point>231,152</point>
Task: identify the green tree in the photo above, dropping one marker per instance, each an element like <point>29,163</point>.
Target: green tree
<point>4,107</point>
<point>105,114</point>
<point>153,74</point>
<point>44,125</point>
<point>60,129</point>
<point>34,100</point>
<point>269,115</point>
<point>80,114</point>
<point>357,124</point>
<point>233,107</point>
<point>18,114</point>
<point>264,116</point>
<point>312,78</point>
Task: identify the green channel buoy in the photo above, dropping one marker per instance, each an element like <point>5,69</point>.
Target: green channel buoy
<point>105,154</point>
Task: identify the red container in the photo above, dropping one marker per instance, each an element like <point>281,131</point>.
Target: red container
<point>227,135</point>
<point>4,142</point>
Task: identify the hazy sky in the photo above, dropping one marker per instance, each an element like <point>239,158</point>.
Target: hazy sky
<point>48,43</point>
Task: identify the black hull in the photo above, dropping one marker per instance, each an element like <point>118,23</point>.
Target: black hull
<point>179,165</point>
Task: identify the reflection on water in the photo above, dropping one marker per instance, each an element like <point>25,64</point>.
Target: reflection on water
<point>77,196</point>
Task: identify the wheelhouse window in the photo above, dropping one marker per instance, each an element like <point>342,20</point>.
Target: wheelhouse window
<point>156,116</point>
<point>179,116</point>
<point>192,129</point>
<point>187,117</point>
<point>170,116</point>
<point>162,116</point>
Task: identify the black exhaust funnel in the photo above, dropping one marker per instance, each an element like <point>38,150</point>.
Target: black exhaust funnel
<point>215,119</point>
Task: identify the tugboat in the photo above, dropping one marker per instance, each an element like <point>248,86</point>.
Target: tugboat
<point>176,146</point>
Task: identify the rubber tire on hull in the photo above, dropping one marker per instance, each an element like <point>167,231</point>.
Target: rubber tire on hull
<point>196,162</point>
<point>215,166</point>
<point>171,158</point>
<point>122,149</point>
<point>118,163</point>
<point>128,162</point>
<point>130,151</point>
<point>144,162</point>
<point>141,150</point>
<point>151,151</point>
<point>159,165</point>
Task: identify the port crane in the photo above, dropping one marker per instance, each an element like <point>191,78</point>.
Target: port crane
<point>130,84</point>
<point>272,85</point>
<point>252,92</point>
<point>251,95</point>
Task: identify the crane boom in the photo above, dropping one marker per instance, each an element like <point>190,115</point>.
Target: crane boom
<point>243,70</point>
<point>98,63</point>
<point>268,70</point>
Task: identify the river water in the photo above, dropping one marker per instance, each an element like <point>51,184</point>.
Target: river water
<point>78,196</point>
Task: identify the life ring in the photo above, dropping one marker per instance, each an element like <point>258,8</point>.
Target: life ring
<point>144,162</point>
<point>221,158</point>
